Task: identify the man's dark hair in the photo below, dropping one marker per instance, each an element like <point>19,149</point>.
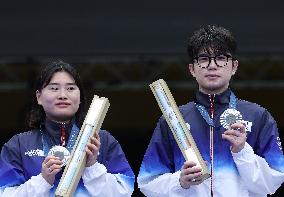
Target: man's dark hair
<point>37,114</point>
<point>211,39</point>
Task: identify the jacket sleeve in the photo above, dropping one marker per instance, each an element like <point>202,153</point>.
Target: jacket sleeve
<point>112,177</point>
<point>157,176</point>
<point>12,180</point>
<point>262,170</point>
<point>99,182</point>
<point>36,186</point>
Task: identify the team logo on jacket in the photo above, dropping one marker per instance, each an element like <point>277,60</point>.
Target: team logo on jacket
<point>36,152</point>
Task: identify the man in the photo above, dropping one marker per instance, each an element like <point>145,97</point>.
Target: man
<point>244,157</point>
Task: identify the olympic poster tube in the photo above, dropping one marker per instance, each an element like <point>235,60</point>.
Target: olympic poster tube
<point>76,163</point>
<point>177,125</point>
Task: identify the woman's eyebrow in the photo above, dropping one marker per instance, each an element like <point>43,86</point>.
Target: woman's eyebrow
<point>54,83</point>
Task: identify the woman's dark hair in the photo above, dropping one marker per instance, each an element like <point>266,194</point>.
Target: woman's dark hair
<point>211,38</point>
<point>37,114</point>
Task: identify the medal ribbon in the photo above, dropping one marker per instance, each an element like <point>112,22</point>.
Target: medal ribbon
<point>209,120</point>
<point>71,142</point>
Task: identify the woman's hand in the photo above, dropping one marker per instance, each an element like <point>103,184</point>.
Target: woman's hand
<point>92,150</point>
<point>50,167</point>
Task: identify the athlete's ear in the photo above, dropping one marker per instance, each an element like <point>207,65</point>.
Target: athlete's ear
<point>235,67</point>
<point>38,94</point>
<point>191,69</point>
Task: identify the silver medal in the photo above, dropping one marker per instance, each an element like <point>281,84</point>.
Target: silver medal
<point>229,117</point>
<point>61,152</point>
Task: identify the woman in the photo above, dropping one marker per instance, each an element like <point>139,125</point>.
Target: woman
<point>27,168</point>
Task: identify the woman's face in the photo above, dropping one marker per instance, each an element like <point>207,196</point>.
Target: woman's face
<point>60,99</point>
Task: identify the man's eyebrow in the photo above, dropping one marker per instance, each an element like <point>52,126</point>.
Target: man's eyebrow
<point>203,54</point>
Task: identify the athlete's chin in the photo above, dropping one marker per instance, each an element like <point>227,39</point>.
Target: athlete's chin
<point>63,117</point>
<point>215,89</point>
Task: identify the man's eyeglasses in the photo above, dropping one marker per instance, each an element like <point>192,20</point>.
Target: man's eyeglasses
<point>203,61</point>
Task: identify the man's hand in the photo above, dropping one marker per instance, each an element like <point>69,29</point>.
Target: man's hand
<point>237,136</point>
<point>190,175</point>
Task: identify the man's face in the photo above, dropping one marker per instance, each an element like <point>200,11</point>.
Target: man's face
<point>213,72</point>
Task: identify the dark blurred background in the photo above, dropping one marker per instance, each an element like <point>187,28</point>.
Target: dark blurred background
<point>120,47</point>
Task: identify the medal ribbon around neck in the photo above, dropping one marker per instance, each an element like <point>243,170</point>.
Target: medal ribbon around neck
<point>205,114</point>
<point>71,142</point>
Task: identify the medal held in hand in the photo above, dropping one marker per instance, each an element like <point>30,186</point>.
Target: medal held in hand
<point>229,117</point>
<point>61,152</point>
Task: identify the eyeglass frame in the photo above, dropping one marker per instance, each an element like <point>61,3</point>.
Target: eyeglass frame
<point>213,57</point>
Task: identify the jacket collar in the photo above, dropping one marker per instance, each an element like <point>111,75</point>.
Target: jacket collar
<point>54,129</point>
<point>221,99</point>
